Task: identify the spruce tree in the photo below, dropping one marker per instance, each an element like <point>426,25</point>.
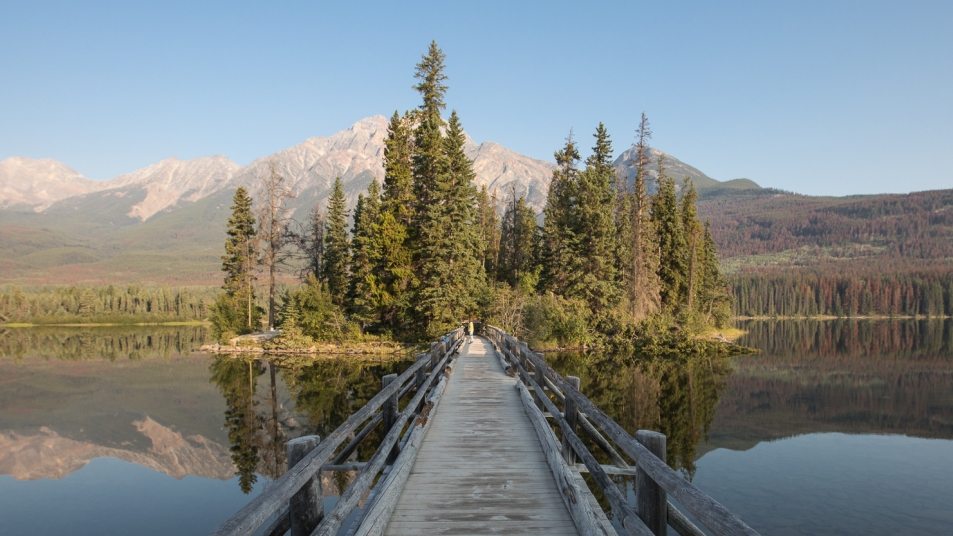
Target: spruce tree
<point>714,302</point>
<point>336,245</point>
<point>446,257</point>
<point>519,239</point>
<point>395,273</point>
<point>593,269</point>
<point>235,310</point>
<point>691,228</point>
<point>642,251</point>
<point>489,223</point>
<point>671,242</point>
<point>558,229</point>
<point>366,248</point>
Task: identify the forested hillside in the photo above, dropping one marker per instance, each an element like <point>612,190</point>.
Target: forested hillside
<point>790,254</point>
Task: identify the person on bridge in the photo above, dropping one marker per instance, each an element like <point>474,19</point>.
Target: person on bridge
<point>470,330</point>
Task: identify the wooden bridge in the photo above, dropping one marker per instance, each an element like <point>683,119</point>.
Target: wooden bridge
<point>473,452</point>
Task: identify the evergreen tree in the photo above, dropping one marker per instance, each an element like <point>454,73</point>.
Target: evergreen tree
<point>714,302</point>
<point>671,242</point>
<point>519,239</point>
<point>395,273</point>
<point>487,212</point>
<point>447,240</point>
<point>312,243</point>
<point>691,228</point>
<point>366,248</point>
<point>593,272</point>
<point>336,245</point>
<point>558,228</point>
<point>234,311</point>
<point>642,283</point>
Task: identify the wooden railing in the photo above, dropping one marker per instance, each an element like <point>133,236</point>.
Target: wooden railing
<point>294,502</point>
<point>655,480</point>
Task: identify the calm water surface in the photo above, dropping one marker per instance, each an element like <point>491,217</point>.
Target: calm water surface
<point>838,427</point>
<point>125,431</point>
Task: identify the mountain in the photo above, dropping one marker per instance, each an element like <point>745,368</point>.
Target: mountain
<point>166,222</point>
<point>678,170</point>
<point>39,183</point>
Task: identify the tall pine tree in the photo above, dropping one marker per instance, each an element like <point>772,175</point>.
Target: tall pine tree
<point>395,272</point>
<point>363,299</point>
<point>593,269</point>
<point>558,226</point>
<point>235,311</point>
<point>519,238</point>
<point>671,242</point>
<point>336,245</point>
<point>692,230</point>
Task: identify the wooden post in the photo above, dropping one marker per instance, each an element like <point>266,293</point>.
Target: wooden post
<point>389,412</point>
<point>572,417</point>
<point>421,374</point>
<point>434,354</point>
<point>538,373</point>
<point>306,507</point>
<point>651,500</point>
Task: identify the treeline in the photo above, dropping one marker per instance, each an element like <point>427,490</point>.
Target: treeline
<point>427,249</point>
<point>810,293</point>
<point>916,226</point>
<point>108,304</point>
<point>110,343</point>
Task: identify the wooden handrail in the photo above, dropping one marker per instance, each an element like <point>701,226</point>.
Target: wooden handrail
<point>254,514</point>
<point>707,510</point>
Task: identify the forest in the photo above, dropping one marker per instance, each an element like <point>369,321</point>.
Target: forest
<point>104,304</point>
<point>428,250</point>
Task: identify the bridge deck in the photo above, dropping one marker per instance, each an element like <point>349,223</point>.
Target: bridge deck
<point>480,469</point>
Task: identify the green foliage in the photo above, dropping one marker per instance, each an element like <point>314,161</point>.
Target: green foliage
<point>105,304</point>
<point>336,245</point>
<point>318,316</point>
<point>363,299</point>
<point>558,229</point>
<point>234,311</point>
<point>519,242</point>
<point>672,269</point>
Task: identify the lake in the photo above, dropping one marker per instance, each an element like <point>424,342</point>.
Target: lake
<point>838,427</point>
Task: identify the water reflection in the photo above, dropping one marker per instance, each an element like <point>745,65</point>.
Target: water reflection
<point>270,402</point>
<point>101,342</point>
<point>861,376</point>
<point>678,399</point>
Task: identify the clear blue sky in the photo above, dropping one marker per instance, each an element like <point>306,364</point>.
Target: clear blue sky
<point>816,97</point>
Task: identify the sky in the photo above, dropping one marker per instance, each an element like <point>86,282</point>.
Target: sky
<point>820,98</point>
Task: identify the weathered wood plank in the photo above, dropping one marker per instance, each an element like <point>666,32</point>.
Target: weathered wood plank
<point>306,508</point>
<point>585,519</point>
<point>378,515</point>
<point>649,497</point>
<point>477,470</point>
<point>332,522</point>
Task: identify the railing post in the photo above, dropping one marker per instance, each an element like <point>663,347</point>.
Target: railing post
<point>306,507</point>
<point>389,415</point>
<point>651,499</point>
<point>421,377</point>
<point>538,373</point>
<point>571,415</point>
<point>434,355</point>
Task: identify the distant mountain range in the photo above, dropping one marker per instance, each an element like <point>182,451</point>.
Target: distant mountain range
<point>166,222</point>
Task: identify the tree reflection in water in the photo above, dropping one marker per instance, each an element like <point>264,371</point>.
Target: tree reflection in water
<point>302,396</point>
<point>676,398</point>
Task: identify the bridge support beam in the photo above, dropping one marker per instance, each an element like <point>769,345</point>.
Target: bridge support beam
<point>650,498</point>
<point>306,508</point>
